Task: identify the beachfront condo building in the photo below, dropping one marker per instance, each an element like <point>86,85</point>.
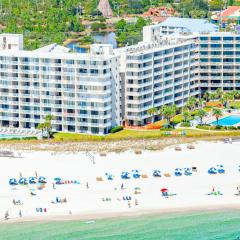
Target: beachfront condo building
<point>81,91</point>
<point>158,74</point>
<point>219,61</point>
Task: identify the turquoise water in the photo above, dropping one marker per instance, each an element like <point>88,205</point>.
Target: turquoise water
<point>212,225</point>
<point>9,136</point>
<point>228,121</point>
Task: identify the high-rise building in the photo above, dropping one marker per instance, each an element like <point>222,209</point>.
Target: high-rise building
<point>81,91</point>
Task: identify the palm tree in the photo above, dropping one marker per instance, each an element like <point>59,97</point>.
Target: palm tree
<point>212,96</point>
<point>168,112</point>
<point>191,103</point>
<point>46,125</point>
<point>41,126</point>
<point>186,115</point>
<point>206,96</point>
<point>152,111</point>
<point>219,93</point>
<point>227,97</point>
<point>217,112</point>
<point>201,102</point>
<point>201,114</point>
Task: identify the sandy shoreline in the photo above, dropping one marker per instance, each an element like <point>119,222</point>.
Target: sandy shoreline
<point>136,213</point>
<point>86,199</point>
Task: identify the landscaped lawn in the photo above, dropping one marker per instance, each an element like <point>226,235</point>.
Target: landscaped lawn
<point>144,134</point>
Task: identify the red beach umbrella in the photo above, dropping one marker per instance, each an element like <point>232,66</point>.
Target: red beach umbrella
<point>164,190</point>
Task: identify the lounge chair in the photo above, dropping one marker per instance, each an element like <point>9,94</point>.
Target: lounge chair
<point>190,146</point>
<point>167,175</point>
<point>177,148</point>
<point>144,176</point>
<point>99,179</point>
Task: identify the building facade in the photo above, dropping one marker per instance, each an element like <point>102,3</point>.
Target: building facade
<point>158,75</point>
<point>219,61</point>
<point>81,91</point>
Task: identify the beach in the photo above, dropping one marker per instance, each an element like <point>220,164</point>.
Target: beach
<point>90,195</point>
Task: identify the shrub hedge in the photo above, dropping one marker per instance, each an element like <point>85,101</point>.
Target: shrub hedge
<point>116,129</point>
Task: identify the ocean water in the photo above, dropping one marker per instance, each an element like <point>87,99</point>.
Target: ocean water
<point>207,225</point>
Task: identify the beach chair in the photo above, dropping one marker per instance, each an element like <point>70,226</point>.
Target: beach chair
<point>167,175</point>
<point>144,176</point>
<point>99,179</point>
<point>177,148</point>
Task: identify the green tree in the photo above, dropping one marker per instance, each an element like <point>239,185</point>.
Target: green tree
<point>186,115</point>
<point>201,103</point>
<point>168,112</point>
<point>46,126</point>
<point>191,103</point>
<point>201,114</point>
<point>217,112</point>
<point>219,93</point>
<point>152,111</point>
<point>206,96</point>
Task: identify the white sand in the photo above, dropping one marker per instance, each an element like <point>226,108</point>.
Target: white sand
<point>191,190</point>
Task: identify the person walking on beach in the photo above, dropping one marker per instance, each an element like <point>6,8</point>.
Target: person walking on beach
<point>122,187</point>
<point>6,215</point>
<point>129,204</point>
<point>20,213</point>
<point>87,186</point>
<point>136,202</point>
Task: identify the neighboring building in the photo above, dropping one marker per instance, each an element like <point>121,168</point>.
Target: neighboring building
<point>156,75</point>
<point>229,15</point>
<point>219,61</point>
<point>159,14</point>
<point>174,25</point>
<point>80,90</point>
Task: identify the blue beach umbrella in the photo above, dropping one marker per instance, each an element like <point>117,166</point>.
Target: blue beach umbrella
<point>13,182</point>
<point>42,179</point>
<point>57,179</point>
<point>157,173</point>
<point>125,175</point>
<point>32,180</point>
<point>23,181</point>
<point>178,172</point>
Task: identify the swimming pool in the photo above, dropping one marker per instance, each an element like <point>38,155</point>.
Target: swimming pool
<point>10,136</point>
<point>228,121</point>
